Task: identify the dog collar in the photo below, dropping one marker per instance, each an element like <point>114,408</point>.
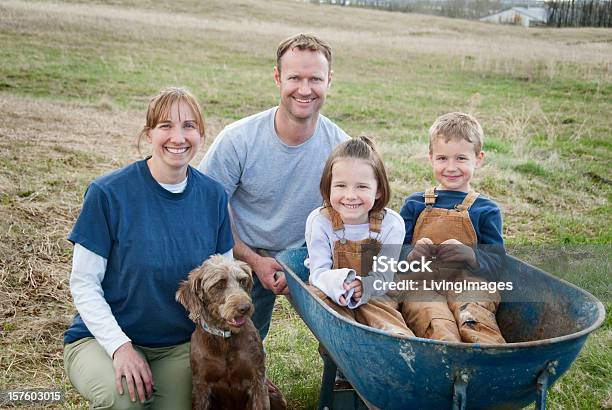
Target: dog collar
<point>213,331</point>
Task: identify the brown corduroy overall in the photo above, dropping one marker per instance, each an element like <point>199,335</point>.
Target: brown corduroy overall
<point>380,312</point>
<point>468,316</point>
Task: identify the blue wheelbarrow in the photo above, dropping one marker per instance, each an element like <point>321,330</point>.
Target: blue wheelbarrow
<point>545,333</point>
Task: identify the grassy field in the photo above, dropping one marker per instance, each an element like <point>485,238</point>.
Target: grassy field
<point>75,79</point>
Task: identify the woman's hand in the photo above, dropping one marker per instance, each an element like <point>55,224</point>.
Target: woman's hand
<point>424,247</point>
<point>452,250</point>
<point>129,364</point>
<point>356,284</point>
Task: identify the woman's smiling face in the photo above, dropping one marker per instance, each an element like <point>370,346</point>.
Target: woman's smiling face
<point>175,141</point>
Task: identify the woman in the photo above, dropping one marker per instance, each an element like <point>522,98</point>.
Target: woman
<point>141,230</point>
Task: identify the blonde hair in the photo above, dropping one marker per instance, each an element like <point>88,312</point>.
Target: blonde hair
<point>304,42</point>
<point>357,148</point>
<point>458,126</point>
<point>159,110</point>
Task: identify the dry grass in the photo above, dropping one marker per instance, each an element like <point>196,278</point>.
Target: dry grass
<point>48,152</point>
<point>480,47</point>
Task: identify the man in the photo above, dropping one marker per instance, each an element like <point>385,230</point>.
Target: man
<point>271,163</point>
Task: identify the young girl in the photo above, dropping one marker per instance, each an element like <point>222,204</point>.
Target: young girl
<point>351,228</point>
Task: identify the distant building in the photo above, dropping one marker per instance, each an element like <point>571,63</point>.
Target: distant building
<point>526,17</point>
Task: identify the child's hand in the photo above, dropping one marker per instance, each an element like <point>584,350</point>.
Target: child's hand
<point>452,250</point>
<point>356,284</point>
<point>423,247</point>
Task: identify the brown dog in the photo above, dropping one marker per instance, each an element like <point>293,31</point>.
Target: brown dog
<point>227,357</point>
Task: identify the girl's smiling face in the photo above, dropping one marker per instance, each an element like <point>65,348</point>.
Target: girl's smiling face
<point>354,189</point>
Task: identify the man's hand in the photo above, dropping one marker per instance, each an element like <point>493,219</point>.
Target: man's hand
<point>423,247</point>
<point>356,284</point>
<point>452,250</point>
<point>129,364</point>
<point>265,269</point>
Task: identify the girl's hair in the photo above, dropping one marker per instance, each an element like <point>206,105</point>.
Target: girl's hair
<point>357,148</point>
<point>159,110</point>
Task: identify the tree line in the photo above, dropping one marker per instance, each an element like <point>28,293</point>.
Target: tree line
<point>561,13</point>
<point>580,13</point>
<point>470,9</point>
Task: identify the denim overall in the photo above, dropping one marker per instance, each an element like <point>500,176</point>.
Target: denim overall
<point>468,316</point>
<point>380,312</point>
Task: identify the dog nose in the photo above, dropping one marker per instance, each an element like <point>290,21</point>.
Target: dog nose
<point>244,308</point>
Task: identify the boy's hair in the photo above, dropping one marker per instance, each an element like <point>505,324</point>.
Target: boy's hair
<point>357,148</point>
<point>304,42</point>
<point>457,125</point>
<point>159,110</point>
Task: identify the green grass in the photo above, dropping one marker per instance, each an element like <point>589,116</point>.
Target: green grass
<point>75,78</point>
<point>532,168</point>
<point>292,355</point>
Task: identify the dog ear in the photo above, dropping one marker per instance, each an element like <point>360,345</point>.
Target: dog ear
<point>186,295</point>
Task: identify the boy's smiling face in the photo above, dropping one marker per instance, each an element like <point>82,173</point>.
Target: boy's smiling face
<point>454,163</point>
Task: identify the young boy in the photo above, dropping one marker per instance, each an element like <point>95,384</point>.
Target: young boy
<point>445,224</point>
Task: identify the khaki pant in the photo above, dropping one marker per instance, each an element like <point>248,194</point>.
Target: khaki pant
<point>427,314</point>
<point>378,313</point>
<point>91,372</point>
<point>468,316</point>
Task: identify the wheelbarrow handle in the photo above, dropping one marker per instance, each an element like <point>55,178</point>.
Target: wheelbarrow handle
<point>460,390</point>
<point>542,383</point>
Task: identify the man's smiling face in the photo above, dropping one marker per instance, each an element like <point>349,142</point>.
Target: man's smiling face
<point>303,79</point>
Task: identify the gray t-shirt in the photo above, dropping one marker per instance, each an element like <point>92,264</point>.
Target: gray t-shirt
<point>272,186</point>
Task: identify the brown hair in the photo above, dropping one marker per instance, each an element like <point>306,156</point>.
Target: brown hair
<point>159,110</point>
<point>304,42</point>
<point>357,148</point>
<point>457,125</point>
